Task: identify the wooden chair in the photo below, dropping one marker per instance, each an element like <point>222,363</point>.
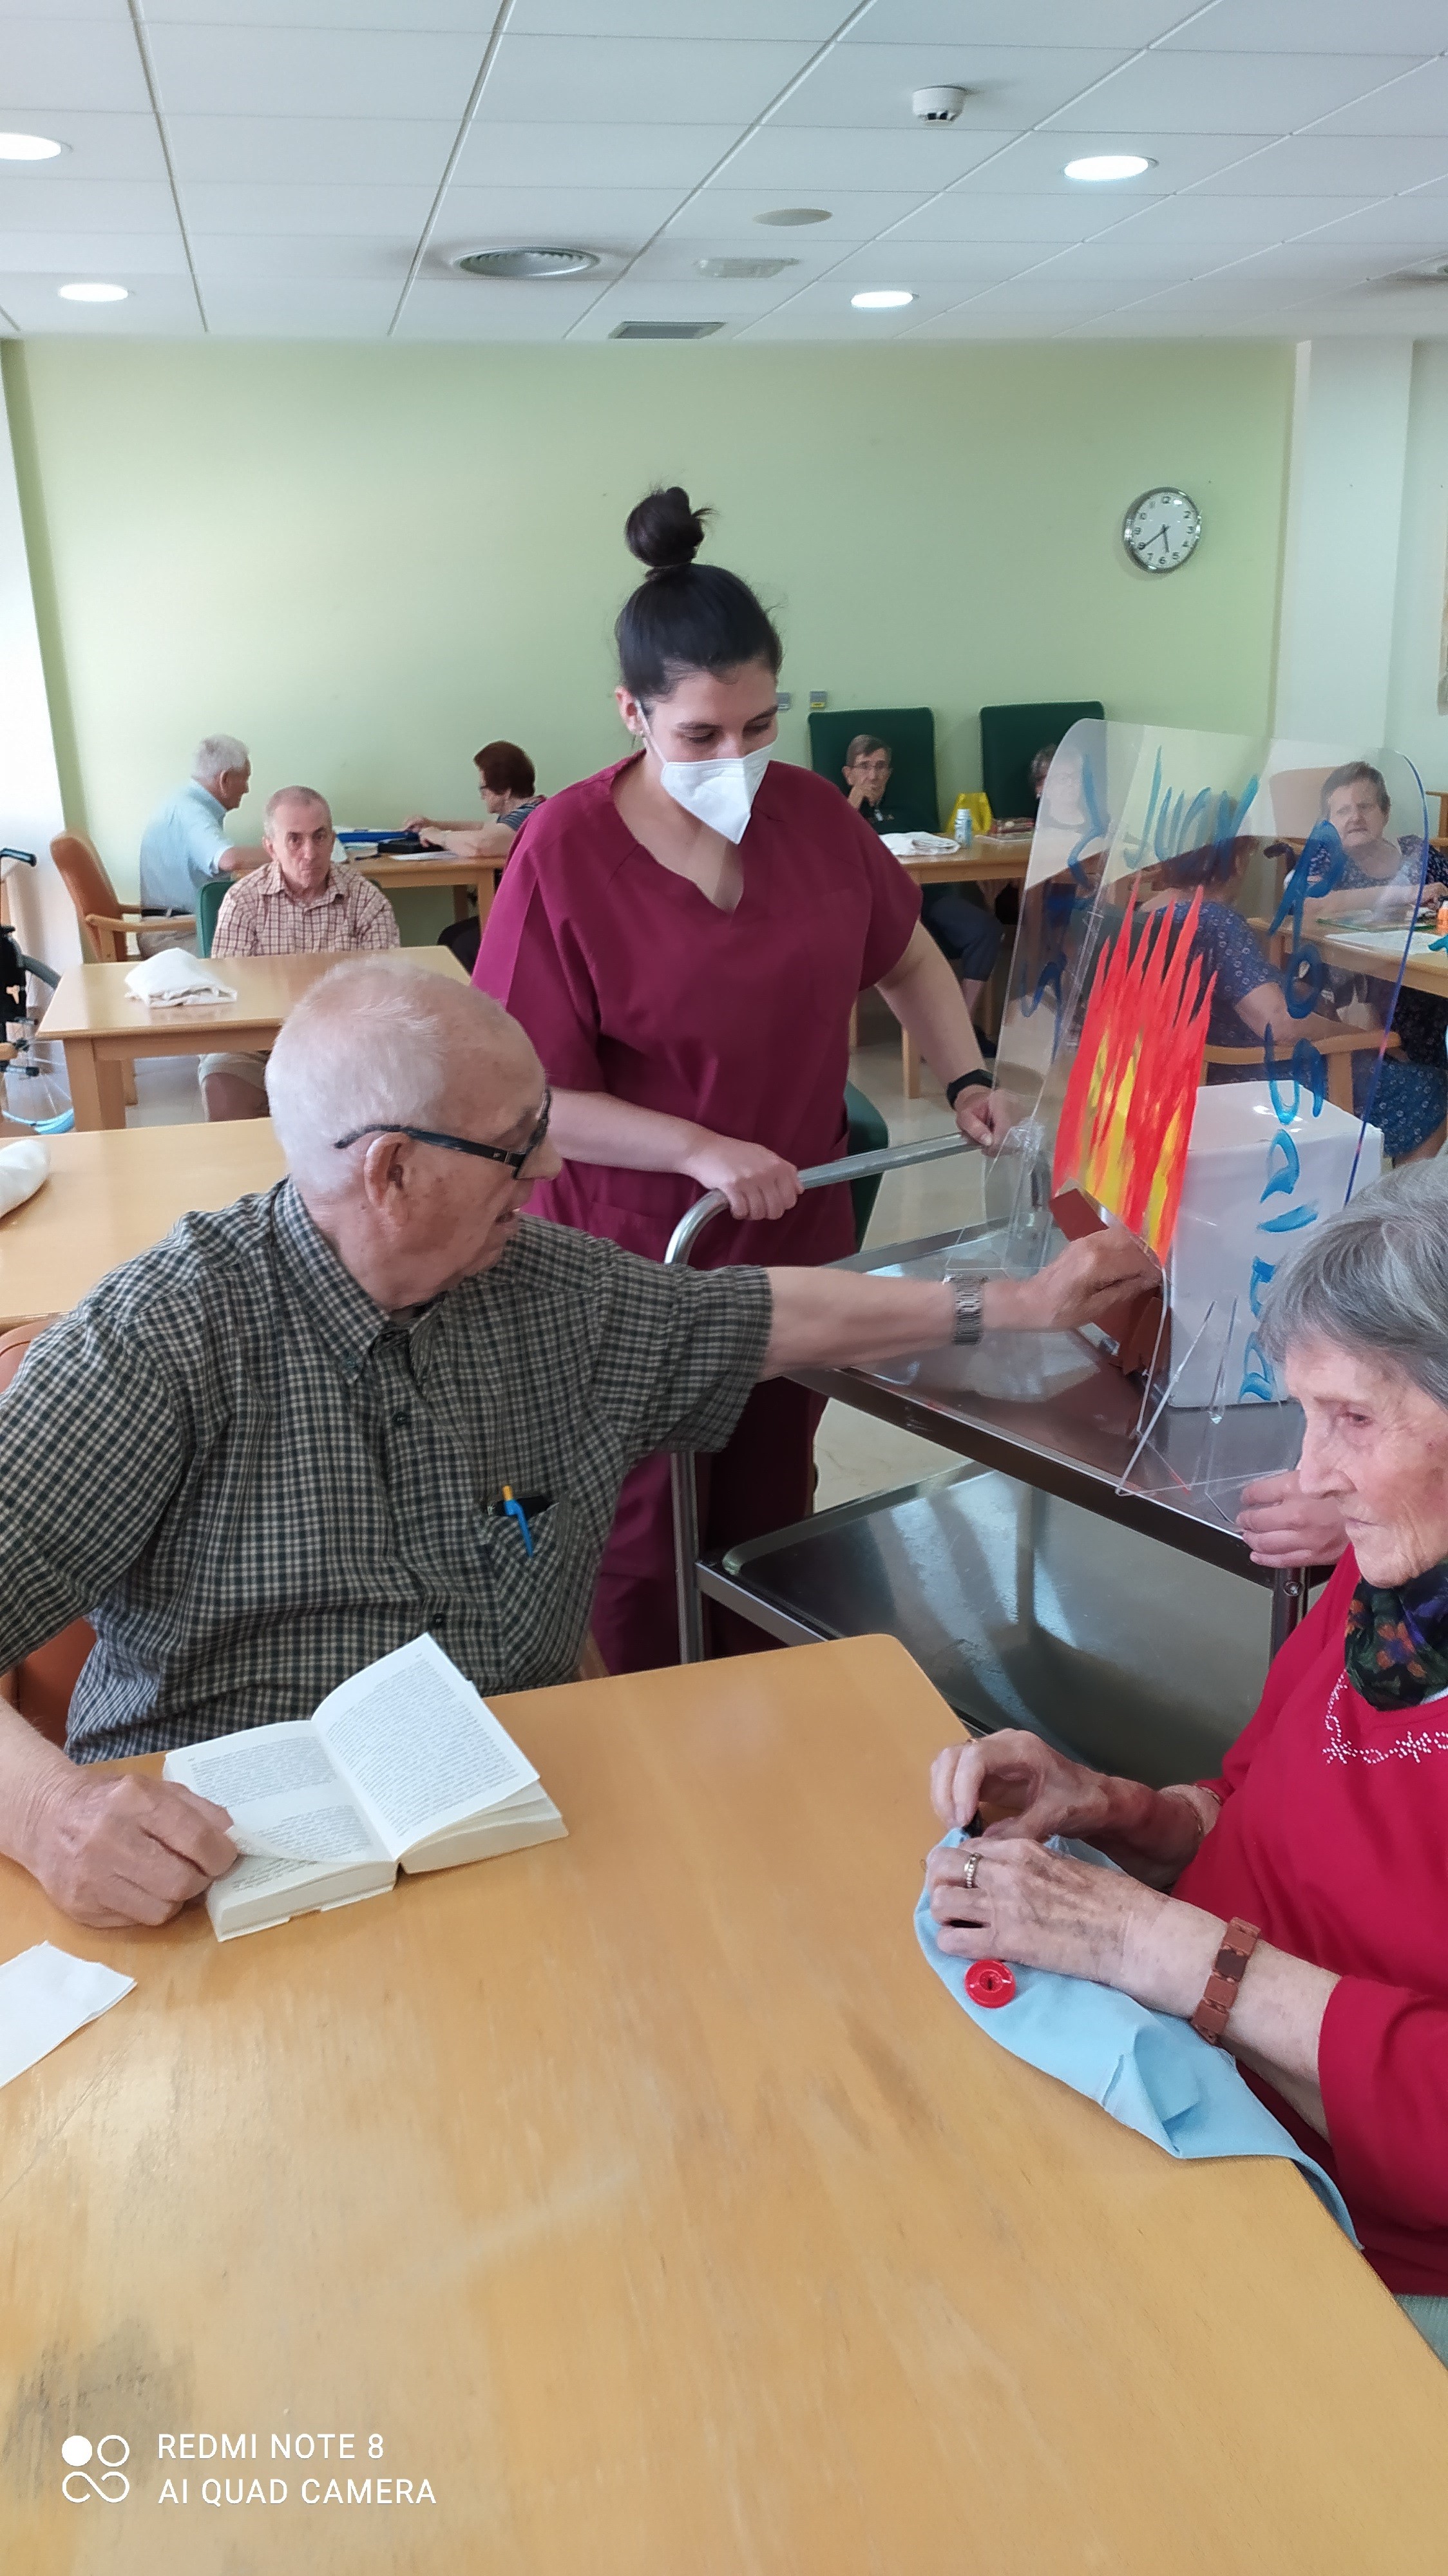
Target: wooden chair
<point>1338,1052</point>
<point>107,925</point>
<point>41,1686</point>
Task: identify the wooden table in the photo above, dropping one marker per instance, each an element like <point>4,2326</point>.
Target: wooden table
<point>647,2195</point>
<point>112,1195</point>
<point>1376,953</point>
<point>102,1029</point>
<point>467,877</point>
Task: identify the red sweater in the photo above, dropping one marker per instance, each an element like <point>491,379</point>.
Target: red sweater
<point>1334,1839</point>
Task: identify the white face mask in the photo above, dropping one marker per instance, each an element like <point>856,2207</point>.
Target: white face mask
<point>717,792</point>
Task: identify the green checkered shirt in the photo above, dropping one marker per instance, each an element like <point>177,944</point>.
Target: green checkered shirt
<point>253,1482</point>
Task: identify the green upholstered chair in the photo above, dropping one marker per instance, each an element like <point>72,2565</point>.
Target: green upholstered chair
<point>209,899</point>
<point>868,1135</point>
<point>910,733</point>
<point>1010,738</point>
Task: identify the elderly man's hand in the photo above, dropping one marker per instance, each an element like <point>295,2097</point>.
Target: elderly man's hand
<point>1084,1282</point>
<point>1036,1908</point>
<point>1035,1790</point>
<point>1284,1526</point>
<point>124,1850</point>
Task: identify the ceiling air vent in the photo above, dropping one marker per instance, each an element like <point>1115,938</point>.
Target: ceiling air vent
<point>526,263</point>
<point>743,267</point>
<point>663,330</point>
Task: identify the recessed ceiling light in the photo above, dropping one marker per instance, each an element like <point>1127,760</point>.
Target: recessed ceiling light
<point>882,299</point>
<point>94,294</point>
<point>1109,165</point>
<point>795,215</point>
<point>526,263</point>
<point>28,147</point>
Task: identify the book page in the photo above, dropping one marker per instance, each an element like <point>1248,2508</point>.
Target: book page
<point>286,1802</point>
<point>417,1745</point>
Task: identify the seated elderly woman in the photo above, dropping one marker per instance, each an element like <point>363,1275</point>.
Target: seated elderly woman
<point>508,786</point>
<point>1317,1857</point>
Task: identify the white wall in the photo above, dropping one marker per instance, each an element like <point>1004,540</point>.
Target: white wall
<point>30,808</point>
<point>1345,522</point>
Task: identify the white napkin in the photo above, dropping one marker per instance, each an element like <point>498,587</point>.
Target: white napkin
<point>919,845</point>
<point>174,975</point>
<point>46,1994</point>
<point>23,1166</point>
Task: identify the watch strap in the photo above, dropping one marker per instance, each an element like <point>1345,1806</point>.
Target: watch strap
<point>969,1292</point>
<point>1239,1941</point>
<point>963,1082</point>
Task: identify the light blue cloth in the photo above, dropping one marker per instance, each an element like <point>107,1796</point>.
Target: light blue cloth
<point>181,847</point>
<point>1149,2070</point>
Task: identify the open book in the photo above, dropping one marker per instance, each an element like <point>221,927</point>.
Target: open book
<point>404,1763</point>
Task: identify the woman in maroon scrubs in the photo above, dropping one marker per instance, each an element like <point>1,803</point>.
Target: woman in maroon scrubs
<point>684,937</point>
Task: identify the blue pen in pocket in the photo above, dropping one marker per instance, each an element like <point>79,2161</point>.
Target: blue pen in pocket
<point>515,1512</point>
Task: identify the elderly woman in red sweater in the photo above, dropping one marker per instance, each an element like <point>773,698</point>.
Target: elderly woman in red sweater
<point>1296,1909</point>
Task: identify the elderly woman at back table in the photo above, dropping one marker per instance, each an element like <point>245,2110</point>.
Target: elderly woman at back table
<point>508,786</point>
<point>1319,1852</point>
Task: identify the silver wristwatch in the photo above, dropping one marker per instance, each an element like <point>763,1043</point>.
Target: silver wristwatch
<point>969,1308</point>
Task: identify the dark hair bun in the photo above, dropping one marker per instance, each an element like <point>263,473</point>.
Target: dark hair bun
<point>665,531</point>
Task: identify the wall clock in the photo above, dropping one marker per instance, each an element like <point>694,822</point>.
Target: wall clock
<point>1162,529</point>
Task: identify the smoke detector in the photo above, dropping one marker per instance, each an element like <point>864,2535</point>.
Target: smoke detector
<point>743,267</point>
<point>938,106</point>
<point>526,263</point>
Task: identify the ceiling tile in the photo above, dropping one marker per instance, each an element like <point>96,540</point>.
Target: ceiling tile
<point>99,147</point>
<point>119,258</point>
<point>223,207</point>
<point>1251,222</point>
<point>87,12</point>
<point>158,307</point>
<point>728,214</point>
<point>1416,106</point>
<point>286,311</point>
<point>1119,23</point>
<point>594,218</point>
<point>237,259</point>
<point>351,151</point>
<point>1417,225</point>
<point>792,160</point>
<point>1215,96</point>
<point>1320,26</point>
<point>931,267</point>
<point>809,21</point>
<point>1011,86</point>
<point>567,80</point>
<point>579,156</point>
<point>125,205</point>
<point>1306,165</point>
<point>407,17</point>
<point>987,217</point>
<point>312,72</point>
<point>474,310</point>
<point>46,63</point>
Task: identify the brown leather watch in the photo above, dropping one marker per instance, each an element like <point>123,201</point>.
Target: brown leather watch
<point>1238,1943</point>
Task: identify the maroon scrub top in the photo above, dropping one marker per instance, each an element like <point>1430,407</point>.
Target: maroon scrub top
<point>628,980</point>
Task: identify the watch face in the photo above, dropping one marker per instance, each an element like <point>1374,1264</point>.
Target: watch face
<point>1161,530</point>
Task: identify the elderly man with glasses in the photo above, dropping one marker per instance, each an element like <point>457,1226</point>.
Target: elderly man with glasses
<point>282,1442</point>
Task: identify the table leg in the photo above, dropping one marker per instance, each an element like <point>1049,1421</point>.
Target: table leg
<point>95,1088</point>
<point>487,888</point>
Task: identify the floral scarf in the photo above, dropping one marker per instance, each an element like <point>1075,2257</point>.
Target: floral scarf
<point>1396,1649</point>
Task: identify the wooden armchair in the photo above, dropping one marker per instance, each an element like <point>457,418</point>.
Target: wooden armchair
<point>41,1686</point>
<point>1337,1051</point>
<point>106,924</point>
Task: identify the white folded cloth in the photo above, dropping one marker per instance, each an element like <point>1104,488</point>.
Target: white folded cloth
<point>45,1996</point>
<point>23,1166</point>
<point>919,845</point>
<point>174,975</point>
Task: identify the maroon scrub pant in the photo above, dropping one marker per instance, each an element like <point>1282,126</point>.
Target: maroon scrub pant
<point>762,1481</point>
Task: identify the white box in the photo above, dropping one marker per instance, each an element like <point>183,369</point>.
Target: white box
<point>1255,1182</point>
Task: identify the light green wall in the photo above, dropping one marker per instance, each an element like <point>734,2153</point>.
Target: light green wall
<point>368,560</point>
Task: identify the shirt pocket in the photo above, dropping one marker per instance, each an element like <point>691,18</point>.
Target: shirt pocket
<point>536,1606</point>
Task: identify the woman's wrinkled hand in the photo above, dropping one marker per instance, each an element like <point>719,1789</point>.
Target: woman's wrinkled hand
<point>1037,1909</point>
<point>986,1118</point>
<point>756,1183</point>
<point>1037,1790</point>
<point>1084,1282</point>
<point>1284,1526</point>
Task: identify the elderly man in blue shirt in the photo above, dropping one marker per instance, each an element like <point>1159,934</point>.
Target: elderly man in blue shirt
<point>183,844</point>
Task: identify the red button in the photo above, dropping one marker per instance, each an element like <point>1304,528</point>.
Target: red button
<point>989,1981</point>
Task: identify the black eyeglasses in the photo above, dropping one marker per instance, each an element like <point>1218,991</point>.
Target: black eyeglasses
<point>514,1156</point>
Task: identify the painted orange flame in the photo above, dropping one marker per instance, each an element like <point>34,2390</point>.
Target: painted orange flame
<point>1127,1115</point>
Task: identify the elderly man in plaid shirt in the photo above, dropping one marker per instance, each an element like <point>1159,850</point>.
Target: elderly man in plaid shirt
<point>277,1442</point>
<point>299,903</point>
